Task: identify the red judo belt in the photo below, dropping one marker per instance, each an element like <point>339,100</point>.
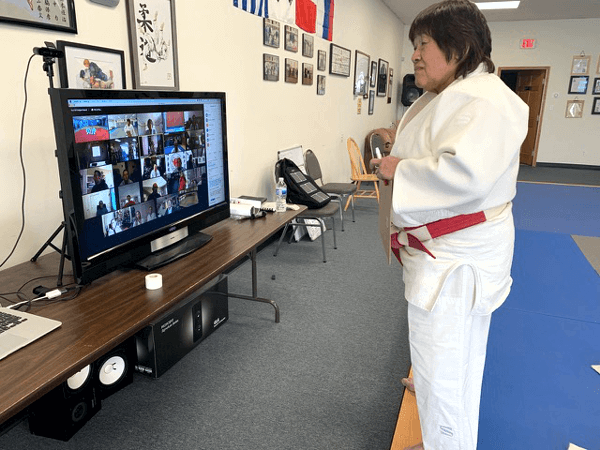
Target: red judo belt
<point>414,236</point>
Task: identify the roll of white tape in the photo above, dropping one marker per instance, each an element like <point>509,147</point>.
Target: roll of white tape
<point>154,281</point>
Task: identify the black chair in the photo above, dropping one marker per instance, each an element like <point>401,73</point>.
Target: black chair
<point>329,211</point>
<point>338,191</point>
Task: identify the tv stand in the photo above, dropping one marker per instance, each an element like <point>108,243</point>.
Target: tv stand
<point>175,251</point>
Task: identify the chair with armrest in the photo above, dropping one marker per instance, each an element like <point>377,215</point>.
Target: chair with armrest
<point>337,191</point>
<point>329,211</point>
<point>360,175</point>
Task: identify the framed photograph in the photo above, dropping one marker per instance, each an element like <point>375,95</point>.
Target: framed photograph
<point>307,74</point>
<point>271,32</point>
<point>574,109</point>
<point>371,101</point>
<point>598,66</point>
<point>390,84</point>
<point>270,67</point>
<point>362,66</point>
<point>291,38</point>
<point>53,15</point>
<point>339,60</point>
<point>153,41</point>
<point>373,76</point>
<point>382,75</point>
<point>291,70</point>
<point>578,84</point>
<point>596,87</point>
<point>581,65</point>
<point>320,84</point>
<point>321,60</point>
<point>308,45</point>
<point>90,67</point>
<point>596,106</point>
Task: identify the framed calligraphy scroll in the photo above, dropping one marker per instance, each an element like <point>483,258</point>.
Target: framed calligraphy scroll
<point>339,60</point>
<point>56,15</point>
<point>153,40</point>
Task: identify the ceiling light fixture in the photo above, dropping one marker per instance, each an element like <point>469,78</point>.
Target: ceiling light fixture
<point>498,5</point>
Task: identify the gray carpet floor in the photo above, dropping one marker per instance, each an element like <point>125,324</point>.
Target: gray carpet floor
<point>326,377</point>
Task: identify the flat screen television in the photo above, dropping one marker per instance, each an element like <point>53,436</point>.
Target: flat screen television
<point>141,173</point>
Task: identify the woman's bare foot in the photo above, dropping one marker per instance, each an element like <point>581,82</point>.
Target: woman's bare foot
<point>408,383</point>
<point>416,447</point>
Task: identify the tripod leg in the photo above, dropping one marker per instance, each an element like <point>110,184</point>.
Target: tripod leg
<point>48,243</point>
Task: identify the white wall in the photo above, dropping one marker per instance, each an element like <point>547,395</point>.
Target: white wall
<point>562,140</point>
<point>220,49</point>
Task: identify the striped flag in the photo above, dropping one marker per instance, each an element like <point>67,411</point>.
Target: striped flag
<point>258,7</point>
<point>306,15</point>
<point>324,27</point>
<point>283,10</point>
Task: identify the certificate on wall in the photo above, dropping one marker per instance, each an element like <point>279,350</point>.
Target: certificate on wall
<point>339,60</point>
<point>153,41</point>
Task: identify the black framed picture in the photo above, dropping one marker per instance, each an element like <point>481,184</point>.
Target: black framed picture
<point>339,60</point>
<point>321,60</point>
<point>361,73</point>
<point>320,84</point>
<point>291,38</point>
<point>270,67</point>
<point>596,87</point>
<point>382,76</point>
<point>371,101</point>
<point>578,84</point>
<point>373,77</point>
<point>291,70</point>
<point>596,106</point>
<point>90,67</point>
<point>308,45</point>
<point>307,74</point>
<point>53,15</point>
<point>271,32</point>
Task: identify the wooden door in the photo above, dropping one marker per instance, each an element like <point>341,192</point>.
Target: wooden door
<point>530,87</point>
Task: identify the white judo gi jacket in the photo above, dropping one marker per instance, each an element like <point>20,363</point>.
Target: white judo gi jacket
<point>460,155</point>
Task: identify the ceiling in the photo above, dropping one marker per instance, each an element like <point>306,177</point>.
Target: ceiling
<point>407,10</point>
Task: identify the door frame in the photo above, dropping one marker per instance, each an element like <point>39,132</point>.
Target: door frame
<point>546,70</point>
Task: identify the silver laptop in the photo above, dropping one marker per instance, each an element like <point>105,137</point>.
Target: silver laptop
<point>17,329</point>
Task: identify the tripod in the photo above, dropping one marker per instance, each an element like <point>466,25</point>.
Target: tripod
<point>49,56</point>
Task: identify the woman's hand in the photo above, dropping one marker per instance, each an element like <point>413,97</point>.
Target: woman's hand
<point>385,168</point>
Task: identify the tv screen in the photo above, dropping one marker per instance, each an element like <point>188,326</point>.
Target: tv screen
<point>138,170</point>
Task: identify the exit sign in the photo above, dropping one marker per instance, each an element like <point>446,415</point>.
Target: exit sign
<point>528,43</point>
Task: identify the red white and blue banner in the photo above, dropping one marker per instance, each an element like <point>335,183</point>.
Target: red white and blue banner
<point>324,26</point>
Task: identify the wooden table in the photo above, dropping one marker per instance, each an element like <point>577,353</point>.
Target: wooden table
<point>116,306</point>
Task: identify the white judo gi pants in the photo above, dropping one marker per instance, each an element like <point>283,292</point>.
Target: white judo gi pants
<point>448,348</point>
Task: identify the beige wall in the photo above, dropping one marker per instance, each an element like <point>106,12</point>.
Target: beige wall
<point>220,49</point>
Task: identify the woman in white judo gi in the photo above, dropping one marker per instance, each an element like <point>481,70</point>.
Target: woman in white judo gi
<point>454,169</point>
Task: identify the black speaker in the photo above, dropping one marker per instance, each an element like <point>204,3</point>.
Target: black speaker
<point>114,370</point>
<point>410,91</point>
<point>63,411</point>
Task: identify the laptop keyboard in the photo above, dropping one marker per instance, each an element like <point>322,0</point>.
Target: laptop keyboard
<point>7,321</point>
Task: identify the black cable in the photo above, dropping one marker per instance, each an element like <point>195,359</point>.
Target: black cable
<point>22,165</point>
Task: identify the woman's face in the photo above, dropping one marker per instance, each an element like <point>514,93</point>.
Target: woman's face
<point>432,72</point>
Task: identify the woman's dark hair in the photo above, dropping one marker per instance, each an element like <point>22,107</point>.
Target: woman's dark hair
<point>459,29</point>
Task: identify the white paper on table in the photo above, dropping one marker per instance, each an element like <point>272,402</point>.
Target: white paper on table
<point>575,447</point>
<point>596,368</point>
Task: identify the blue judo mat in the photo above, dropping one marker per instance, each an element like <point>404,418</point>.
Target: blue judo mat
<point>539,390</point>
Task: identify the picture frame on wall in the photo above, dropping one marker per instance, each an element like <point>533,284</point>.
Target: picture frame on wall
<point>308,45</point>
<point>596,87</point>
<point>390,84</point>
<point>578,84</point>
<point>59,16</point>
<point>574,109</point>
<point>362,66</point>
<point>373,77</point>
<point>307,74</point>
<point>321,60</point>
<point>581,65</point>
<point>382,76</point>
<point>153,42</point>
<point>340,59</point>
<point>291,38</point>
<point>271,32</point>
<point>371,101</point>
<point>596,106</point>
<point>291,70</point>
<point>270,67</point>
<point>90,67</point>
<point>321,84</point>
